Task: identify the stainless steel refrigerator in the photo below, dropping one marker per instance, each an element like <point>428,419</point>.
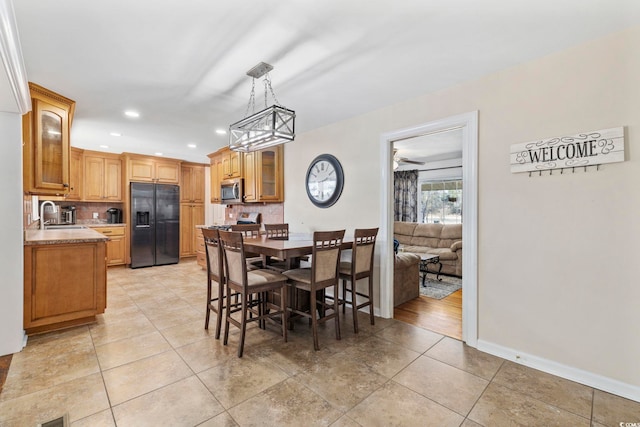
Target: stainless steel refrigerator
<point>155,224</point>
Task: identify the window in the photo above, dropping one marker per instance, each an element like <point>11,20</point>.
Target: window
<point>440,202</point>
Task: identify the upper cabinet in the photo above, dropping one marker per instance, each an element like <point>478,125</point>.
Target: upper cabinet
<point>75,174</point>
<point>46,149</point>
<point>216,176</point>
<point>102,177</point>
<point>152,169</point>
<point>192,183</point>
<point>232,163</point>
<point>264,175</point>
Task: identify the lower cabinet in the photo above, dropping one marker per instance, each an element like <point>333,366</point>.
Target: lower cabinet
<point>64,285</point>
<point>191,214</point>
<point>116,245</point>
<point>201,254</point>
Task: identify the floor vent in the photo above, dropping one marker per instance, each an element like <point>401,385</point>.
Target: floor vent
<point>58,422</point>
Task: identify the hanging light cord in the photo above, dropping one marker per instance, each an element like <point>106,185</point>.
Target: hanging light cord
<point>267,89</point>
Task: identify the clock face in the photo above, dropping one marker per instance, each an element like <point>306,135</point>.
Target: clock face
<point>324,180</point>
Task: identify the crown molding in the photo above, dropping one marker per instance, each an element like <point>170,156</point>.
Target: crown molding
<point>11,54</point>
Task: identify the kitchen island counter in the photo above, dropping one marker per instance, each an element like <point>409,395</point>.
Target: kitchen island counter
<point>60,236</point>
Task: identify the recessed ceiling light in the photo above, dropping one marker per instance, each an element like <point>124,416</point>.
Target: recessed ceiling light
<point>115,134</point>
<point>191,145</point>
<point>221,131</point>
<point>104,146</point>
<point>132,114</point>
<point>158,154</point>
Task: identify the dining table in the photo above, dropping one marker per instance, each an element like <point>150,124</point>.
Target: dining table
<point>291,250</point>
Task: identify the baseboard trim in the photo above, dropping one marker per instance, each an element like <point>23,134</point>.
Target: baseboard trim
<point>568,372</point>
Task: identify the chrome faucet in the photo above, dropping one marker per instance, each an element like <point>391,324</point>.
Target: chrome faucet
<point>55,209</point>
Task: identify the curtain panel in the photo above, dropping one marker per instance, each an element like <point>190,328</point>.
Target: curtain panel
<point>405,189</point>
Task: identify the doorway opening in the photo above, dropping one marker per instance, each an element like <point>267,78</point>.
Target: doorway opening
<point>435,163</point>
<point>468,125</point>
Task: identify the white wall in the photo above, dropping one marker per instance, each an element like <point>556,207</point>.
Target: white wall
<point>11,258</point>
<point>558,270</point>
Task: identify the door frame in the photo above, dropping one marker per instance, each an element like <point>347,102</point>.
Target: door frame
<point>469,124</point>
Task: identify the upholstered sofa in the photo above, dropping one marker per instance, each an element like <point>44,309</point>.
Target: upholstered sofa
<point>406,276</point>
<point>439,239</point>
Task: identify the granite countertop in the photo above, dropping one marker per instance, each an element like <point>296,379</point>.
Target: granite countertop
<point>103,224</point>
<point>58,236</point>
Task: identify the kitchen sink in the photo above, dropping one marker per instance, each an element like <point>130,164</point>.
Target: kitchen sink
<point>63,227</point>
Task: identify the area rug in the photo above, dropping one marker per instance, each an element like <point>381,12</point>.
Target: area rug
<point>439,289</point>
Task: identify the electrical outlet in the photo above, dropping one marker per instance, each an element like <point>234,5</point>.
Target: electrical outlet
<point>95,215</point>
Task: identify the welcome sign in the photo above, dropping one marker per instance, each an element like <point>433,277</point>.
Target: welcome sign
<point>584,149</point>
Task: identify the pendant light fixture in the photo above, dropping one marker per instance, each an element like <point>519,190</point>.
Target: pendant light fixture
<point>274,125</point>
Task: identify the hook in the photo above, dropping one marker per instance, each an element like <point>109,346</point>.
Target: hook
<point>539,173</point>
<point>529,174</point>
<point>561,171</point>
<point>574,169</point>
<point>550,172</point>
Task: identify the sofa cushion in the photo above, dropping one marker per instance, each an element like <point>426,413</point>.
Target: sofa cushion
<point>403,231</point>
<point>444,253</point>
<point>426,235</point>
<point>450,234</point>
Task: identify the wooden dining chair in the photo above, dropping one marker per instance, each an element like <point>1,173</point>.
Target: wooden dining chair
<point>323,274</point>
<point>252,287</point>
<point>215,273</point>
<point>254,261</point>
<point>360,267</point>
<point>276,232</point>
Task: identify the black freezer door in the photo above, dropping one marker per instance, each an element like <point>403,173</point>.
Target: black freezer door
<point>167,227</point>
<point>142,225</point>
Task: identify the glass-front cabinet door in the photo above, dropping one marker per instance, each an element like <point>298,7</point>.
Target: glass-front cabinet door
<point>46,148</point>
<point>52,147</point>
<point>270,174</point>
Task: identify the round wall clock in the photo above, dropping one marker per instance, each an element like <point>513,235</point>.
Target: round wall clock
<point>324,181</point>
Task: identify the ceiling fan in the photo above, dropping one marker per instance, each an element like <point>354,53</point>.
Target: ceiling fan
<point>398,159</point>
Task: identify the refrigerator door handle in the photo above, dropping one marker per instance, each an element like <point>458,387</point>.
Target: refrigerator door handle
<point>143,226</point>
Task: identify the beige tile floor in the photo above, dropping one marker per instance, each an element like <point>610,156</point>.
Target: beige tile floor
<point>149,362</point>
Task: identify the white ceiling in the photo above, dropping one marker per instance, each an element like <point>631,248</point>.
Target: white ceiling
<point>182,64</point>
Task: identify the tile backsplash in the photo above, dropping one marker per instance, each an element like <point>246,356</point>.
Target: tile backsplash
<point>270,213</point>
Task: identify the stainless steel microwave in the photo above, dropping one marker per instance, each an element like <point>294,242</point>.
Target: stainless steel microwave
<point>231,191</point>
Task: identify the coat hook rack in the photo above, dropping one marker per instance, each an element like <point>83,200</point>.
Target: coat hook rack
<point>573,170</point>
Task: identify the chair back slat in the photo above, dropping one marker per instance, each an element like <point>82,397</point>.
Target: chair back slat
<point>247,230</point>
<point>277,231</point>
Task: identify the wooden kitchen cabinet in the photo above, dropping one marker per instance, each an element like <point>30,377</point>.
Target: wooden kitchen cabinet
<point>152,169</point>
<point>216,176</point>
<point>264,175</point>
<point>46,148</point>
<point>64,285</point>
<point>232,163</point>
<point>116,245</point>
<point>75,174</point>
<point>201,251</point>
<point>102,177</point>
<point>192,183</point>
<point>191,214</point>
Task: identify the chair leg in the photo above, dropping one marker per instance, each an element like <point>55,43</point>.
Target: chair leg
<point>206,319</point>
<point>243,323</point>
<point>336,308</point>
<point>314,321</point>
<point>371,315</point>
<point>283,308</point>
<point>228,314</point>
<point>354,306</point>
<point>220,310</point>
<point>344,296</point>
